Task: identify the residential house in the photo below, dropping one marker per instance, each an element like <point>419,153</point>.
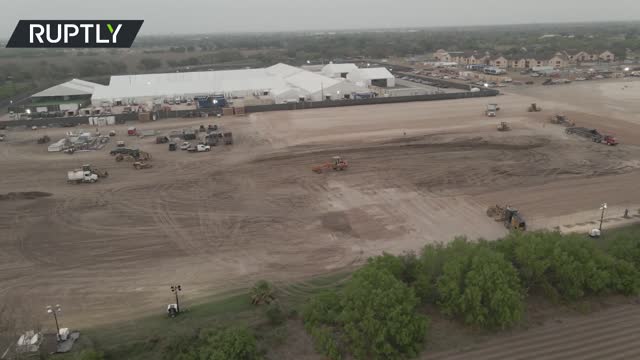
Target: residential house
<point>607,56</point>
<point>559,60</point>
<point>442,55</point>
<point>499,61</point>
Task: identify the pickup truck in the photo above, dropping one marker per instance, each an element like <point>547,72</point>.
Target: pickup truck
<point>199,148</point>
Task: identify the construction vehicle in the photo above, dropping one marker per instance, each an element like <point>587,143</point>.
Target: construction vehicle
<point>173,146</point>
<point>338,164</point>
<point>199,148</point>
<point>162,139</point>
<point>44,139</point>
<point>492,110</point>
<point>141,165</point>
<point>592,134</point>
<point>504,126</point>
<point>202,128</point>
<point>211,128</point>
<point>559,119</point>
<point>101,173</point>
<point>212,139</point>
<point>534,108</point>
<point>112,133</point>
<point>508,215</point>
<point>84,175</point>
<point>132,131</point>
<point>130,154</point>
<point>228,138</point>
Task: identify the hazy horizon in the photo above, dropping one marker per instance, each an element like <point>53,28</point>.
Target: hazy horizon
<point>204,17</point>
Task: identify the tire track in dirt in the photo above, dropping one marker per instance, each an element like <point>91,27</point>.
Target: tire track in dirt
<point>574,339</point>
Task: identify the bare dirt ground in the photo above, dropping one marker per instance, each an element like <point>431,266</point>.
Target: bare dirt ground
<point>419,173</point>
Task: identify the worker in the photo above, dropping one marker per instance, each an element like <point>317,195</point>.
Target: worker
<point>626,213</point>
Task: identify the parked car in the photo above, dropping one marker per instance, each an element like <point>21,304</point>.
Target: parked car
<point>185,145</point>
<point>199,148</point>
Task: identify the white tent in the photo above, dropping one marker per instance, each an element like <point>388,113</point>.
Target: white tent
<point>281,81</point>
<point>70,88</point>
<point>372,76</point>
<point>338,70</point>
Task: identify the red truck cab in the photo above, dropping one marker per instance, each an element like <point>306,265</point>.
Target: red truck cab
<point>132,131</point>
<point>610,140</point>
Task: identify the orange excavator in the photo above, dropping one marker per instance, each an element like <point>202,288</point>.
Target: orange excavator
<point>338,164</point>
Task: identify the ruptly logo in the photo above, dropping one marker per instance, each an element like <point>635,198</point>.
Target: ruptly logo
<point>74,33</point>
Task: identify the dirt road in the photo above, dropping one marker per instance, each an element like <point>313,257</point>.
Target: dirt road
<point>419,173</point>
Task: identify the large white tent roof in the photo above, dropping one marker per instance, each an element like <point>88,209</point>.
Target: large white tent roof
<point>338,68</point>
<point>277,79</point>
<point>373,73</point>
<point>70,88</point>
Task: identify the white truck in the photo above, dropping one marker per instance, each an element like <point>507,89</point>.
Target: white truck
<point>492,110</point>
<point>199,148</point>
<point>78,176</point>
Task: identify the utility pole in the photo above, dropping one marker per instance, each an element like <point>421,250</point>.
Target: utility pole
<point>54,311</point>
<point>175,289</point>
<point>603,207</point>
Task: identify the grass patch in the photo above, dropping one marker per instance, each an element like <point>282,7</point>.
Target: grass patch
<point>145,338</point>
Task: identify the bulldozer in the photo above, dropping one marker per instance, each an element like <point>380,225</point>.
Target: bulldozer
<point>504,126</point>
<point>509,216</point>
<point>534,108</point>
<point>338,164</point>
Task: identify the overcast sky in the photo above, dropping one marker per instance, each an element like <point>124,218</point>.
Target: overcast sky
<point>211,16</point>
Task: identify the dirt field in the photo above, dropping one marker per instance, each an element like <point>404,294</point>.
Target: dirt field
<point>419,173</point>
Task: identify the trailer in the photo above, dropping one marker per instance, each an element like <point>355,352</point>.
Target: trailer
<point>592,134</point>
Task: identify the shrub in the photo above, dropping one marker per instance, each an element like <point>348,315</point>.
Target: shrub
<point>90,355</point>
<point>325,342</point>
<point>324,308</point>
<point>228,344</point>
<point>275,314</point>
<point>379,316</point>
<point>481,287</point>
<point>627,248</point>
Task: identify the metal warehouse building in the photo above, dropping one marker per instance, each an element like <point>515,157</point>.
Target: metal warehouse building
<point>280,82</point>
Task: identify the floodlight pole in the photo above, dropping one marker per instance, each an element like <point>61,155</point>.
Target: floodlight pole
<point>53,311</point>
<point>603,208</point>
<point>175,289</point>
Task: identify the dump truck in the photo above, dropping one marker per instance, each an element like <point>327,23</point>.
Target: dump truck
<point>592,134</point>
<point>492,110</point>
